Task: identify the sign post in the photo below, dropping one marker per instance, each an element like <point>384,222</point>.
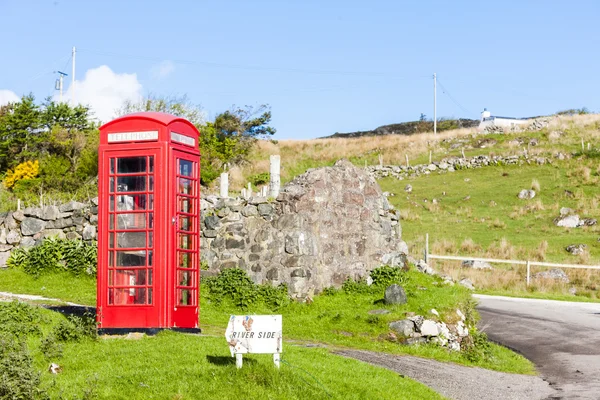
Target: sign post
<point>254,334</point>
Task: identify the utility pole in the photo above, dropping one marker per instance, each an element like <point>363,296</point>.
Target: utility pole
<point>434,103</point>
<point>73,77</point>
<point>59,84</point>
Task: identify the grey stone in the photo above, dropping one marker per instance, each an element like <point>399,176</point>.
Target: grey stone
<point>73,236</point>
<point>250,211</point>
<point>61,223</point>
<point>10,222</point>
<point>28,241</point>
<point>395,294</point>
<point>266,209</point>
<point>209,233</point>
<point>425,268</point>
<point>223,212</point>
<point>53,233</point>
<point>415,341</point>
<point>33,212</point>
<point>404,327</point>
<point>3,236</point>
<point>13,237</point>
<point>576,249</point>
<point>18,216</point>
<point>5,247</point>
<point>476,264</point>
<point>89,232</point>
<point>94,220</point>
<point>256,200</point>
<point>50,213</point>
<point>429,328</point>
<point>79,221</point>
<point>564,211</point>
<point>588,221</point>
<point>526,194</point>
<point>95,201</point>
<point>71,206</point>
<point>555,274</point>
<point>569,221</point>
<point>466,283</point>
<point>3,257</point>
<point>235,243</point>
<point>31,226</point>
<point>212,222</point>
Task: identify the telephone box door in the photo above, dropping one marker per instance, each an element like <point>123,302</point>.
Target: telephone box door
<point>185,232</point>
<point>129,212</point>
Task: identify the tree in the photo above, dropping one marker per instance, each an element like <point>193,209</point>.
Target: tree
<point>69,130</point>
<point>21,132</point>
<point>225,141</point>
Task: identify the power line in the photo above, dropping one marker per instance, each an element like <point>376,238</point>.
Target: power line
<point>447,93</point>
<point>255,67</point>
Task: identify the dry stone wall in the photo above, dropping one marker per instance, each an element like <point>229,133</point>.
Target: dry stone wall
<point>326,225</point>
<point>25,228</point>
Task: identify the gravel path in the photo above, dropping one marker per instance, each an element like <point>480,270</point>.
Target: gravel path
<point>6,296</point>
<point>456,381</point>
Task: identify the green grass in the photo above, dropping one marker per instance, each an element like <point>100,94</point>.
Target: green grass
<point>456,218</point>
<point>339,321</point>
<point>63,286</point>
<point>181,366</point>
<point>178,366</point>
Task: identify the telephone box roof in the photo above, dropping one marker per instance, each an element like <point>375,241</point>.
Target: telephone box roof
<point>162,118</point>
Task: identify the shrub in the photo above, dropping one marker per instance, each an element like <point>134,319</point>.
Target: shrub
<point>54,255</point>
<point>386,275</point>
<point>259,179</point>
<point>19,319</point>
<point>476,346</point>
<point>235,286</point>
<point>18,378</point>
<point>75,328</point>
<point>23,171</point>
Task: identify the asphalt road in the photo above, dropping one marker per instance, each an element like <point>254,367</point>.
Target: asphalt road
<point>561,338</point>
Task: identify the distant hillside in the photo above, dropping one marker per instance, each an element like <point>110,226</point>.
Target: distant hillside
<point>410,128</point>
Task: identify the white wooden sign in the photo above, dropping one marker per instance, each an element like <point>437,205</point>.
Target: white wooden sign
<point>254,334</point>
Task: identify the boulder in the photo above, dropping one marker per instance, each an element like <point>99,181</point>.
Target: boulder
<point>554,274</point>
<point>408,188</point>
<point>576,249</point>
<point>564,211</point>
<point>476,264</point>
<point>31,226</point>
<point>33,212</point>
<point>526,194</point>
<point>404,327</point>
<point>395,294</point>
<point>569,221</point>
<point>422,266</point>
<point>429,328</point>
<point>18,215</point>
<point>466,283</point>
<point>3,236</point>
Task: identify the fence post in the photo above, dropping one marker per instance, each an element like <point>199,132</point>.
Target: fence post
<point>407,164</point>
<point>224,187</point>
<point>528,272</point>
<point>427,248</point>
<point>275,176</point>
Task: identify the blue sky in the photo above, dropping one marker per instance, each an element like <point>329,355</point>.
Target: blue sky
<point>323,66</point>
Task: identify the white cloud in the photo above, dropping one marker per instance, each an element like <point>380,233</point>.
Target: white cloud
<point>7,96</point>
<point>162,70</point>
<point>105,91</point>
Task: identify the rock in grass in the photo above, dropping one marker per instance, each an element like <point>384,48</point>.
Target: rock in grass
<point>555,274</point>
<point>569,221</point>
<point>395,294</point>
<point>476,264</point>
<point>467,283</point>
<point>526,194</point>
<point>576,249</point>
<point>403,327</point>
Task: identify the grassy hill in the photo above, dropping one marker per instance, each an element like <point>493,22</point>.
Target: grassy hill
<point>477,212</point>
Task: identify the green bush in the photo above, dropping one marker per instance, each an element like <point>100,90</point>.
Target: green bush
<point>382,277</point>
<point>75,328</point>
<point>19,319</point>
<point>235,286</point>
<point>259,179</point>
<point>476,347</point>
<point>55,255</point>
<point>18,379</point>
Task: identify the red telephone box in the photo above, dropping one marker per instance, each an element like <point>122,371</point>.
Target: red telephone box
<point>148,227</point>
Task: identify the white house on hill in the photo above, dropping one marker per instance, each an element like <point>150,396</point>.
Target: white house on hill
<point>487,119</point>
